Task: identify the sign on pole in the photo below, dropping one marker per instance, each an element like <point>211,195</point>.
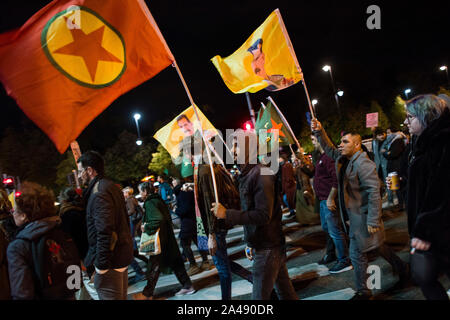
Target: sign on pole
<point>372,120</point>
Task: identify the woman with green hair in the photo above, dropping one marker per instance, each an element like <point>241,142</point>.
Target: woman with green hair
<point>428,192</point>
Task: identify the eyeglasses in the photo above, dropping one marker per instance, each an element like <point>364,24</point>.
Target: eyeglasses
<point>410,117</point>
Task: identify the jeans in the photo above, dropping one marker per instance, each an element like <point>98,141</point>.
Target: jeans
<point>285,201</point>
<point>187,251</point>
<point>332,225</point>
<point>269,270</point>
<point>425,268</point>
<point>225,266</point>
<point>360,263</point>
<point>112,285</point>
<point>153,271</point>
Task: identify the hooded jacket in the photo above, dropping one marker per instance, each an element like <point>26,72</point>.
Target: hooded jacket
<point>20,261</point>
<point>428,185</point>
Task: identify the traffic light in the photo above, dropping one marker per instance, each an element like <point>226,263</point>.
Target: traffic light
<point>248,125</point>
<point>8,183</point>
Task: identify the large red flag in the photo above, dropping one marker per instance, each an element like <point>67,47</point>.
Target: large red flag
<point>73,58</point>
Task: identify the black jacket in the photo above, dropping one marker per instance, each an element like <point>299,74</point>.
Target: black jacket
<point>20,261</point>
<point>186,211</point>
<point>109,236</point>
<point>73,218</point>
<point>261,209</point>
<point>428,185</point>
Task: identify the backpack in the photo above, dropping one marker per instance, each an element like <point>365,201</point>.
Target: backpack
<point>52,254</point>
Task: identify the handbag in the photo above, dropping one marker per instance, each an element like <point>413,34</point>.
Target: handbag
<point>150,245</point>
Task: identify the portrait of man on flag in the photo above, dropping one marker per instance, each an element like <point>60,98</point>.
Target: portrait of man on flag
<point>264,61</point>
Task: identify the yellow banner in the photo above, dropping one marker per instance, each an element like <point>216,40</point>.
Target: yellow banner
<point>184,126</point>
<point>264,61</point>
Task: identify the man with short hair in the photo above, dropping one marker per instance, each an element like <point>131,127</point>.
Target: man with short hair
<point>110,246</point>
<point>359,200</point>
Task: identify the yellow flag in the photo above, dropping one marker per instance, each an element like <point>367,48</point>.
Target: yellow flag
<point>182,127</point>
<point>264,61</point>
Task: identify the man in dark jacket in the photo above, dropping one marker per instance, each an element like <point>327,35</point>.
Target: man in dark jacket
<point>110,246</point>
<point>261,216</point>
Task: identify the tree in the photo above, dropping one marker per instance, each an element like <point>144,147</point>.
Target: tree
<point>28,153</point>
<point>162,163</point>
<point>63,169</point>
<point>126,162</point>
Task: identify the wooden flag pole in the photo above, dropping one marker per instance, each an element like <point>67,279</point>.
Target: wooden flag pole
<point>201,130</point>
<point>284,121</point>
<point>250,108</point>
<point>291,49</point>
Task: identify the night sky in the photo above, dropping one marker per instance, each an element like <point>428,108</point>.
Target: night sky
<point>367,64</point>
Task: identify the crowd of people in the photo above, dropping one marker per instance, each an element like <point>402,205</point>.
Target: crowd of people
<point>97,228</point>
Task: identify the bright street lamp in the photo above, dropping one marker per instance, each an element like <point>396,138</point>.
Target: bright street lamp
<point>444,68</point>
<point>314,102</point>
<point>340,93</point>
<point>327,68</point>
<point>406,92</point>
<point>136,117</point>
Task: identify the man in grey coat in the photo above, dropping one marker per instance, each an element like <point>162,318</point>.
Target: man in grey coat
<point>360,202</point>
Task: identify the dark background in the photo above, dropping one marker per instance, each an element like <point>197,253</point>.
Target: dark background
<point>367,64</point>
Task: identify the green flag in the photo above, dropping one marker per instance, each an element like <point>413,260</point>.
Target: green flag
<point>269,119</point>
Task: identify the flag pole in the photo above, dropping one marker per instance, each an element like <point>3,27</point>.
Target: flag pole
<point>291,49</point>
<point>263,106</point>
<point>201,129</point>
<point>250,108</point>
<point>284,121</point>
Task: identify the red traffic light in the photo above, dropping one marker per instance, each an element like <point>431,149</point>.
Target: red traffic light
<point>8,181</point>
<point>18,194</point>
<point>248,125</point>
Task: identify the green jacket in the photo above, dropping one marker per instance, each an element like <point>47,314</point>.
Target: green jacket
<point>157,216</point>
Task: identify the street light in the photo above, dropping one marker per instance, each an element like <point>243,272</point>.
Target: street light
<point>327,68</point>
<point>314,102</point>
<point>340,93</point>
<point>406,92</point>
<point>444,68</point>
<point>137,117</point>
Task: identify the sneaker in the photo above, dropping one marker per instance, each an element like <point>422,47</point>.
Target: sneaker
<point>362,296</point>
<point>141,296</point>
<point>187,291</point>
<point>341,266</point>
<point>193,269</point>
<point>327,259</point>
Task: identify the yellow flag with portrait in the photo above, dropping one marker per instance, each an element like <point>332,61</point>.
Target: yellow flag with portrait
<point>264,61</point>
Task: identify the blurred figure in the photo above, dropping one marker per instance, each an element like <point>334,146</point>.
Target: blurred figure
<point>157,217</point>
<point>135,214</point>
<point>288,184</point>
<point>428,188</point>
<point>7,230</point>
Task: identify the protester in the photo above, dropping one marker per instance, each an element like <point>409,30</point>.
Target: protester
<point>428,188</point>
<point>393,152</point>
<point>305,199</point>
<point>38,243</point>
<point>135,214</point>
<point>215,229</point>
<point>261,216</point>
<point>156,217</point>
<point>110,247</point>
<point>7,230</point>
<point>188,231</point>
<point>73,217</point>
<point>165,190</point>
<point>288,183</point>
<point>359,200</point>
<point>326,187</point>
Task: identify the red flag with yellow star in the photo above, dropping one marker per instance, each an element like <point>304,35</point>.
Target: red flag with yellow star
<point>73,58</point>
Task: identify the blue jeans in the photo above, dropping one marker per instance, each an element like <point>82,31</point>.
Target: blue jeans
<point>291,210</point>
<point>225,266</point>
<point>333,226</point>
<point>269,270</point>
